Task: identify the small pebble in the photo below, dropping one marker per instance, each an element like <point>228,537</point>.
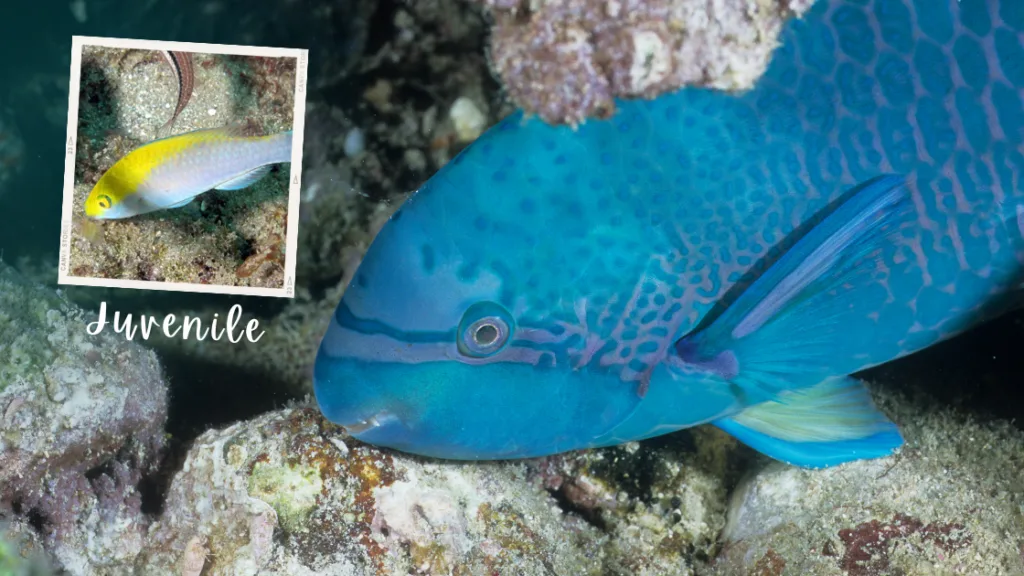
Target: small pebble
<point>212,111</point>
<point>355,142</point>
<point>469,121</point>
<point>379,95</point>
<point>340,445</point>
<point>429,121</point>
<point>415,160</point>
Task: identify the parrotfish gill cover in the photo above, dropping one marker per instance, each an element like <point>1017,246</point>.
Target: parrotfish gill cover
<point>702,257</point>
<point>171,172</point>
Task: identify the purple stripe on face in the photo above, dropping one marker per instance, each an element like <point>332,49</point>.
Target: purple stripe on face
<point>342,343</point>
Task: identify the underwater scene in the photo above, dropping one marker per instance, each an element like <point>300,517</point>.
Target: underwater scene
<point>510,287</point>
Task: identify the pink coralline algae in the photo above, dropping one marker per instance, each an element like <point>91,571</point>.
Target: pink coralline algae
<point>567,60</point>
<point>81,423</point>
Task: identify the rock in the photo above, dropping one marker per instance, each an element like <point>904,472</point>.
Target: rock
<point>81,422</point>
<point>469,121</point>
<point>568,60</point>
<point>951,502</point>
<point>288,494</point>
<point>662,502</point>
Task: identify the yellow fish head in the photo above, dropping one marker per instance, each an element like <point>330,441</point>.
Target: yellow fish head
<point>106,200</point>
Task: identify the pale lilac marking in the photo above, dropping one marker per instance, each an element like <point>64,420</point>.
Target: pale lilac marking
<point>994,75</point>
<point>593,342</point>
<point>607,310</point>
<point>953,231</point>
<point>805,175</point>
<point>620,326</point>
<point>911,120</point>
<point>1020,218</point>
<point>539,336</point>
<point>876,143</point>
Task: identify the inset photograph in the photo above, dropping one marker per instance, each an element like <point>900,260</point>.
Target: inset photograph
<point>183,166</point>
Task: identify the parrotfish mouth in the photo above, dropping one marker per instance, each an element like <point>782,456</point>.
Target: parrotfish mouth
<point>378,420</point>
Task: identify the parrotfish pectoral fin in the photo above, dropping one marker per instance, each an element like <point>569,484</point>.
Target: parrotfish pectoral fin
<point>825,425</point>
<point>245,180</point>
<point>786,330</point>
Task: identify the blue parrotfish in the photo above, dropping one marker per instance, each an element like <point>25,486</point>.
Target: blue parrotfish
<point>171,172</point>
<point>702,257</point>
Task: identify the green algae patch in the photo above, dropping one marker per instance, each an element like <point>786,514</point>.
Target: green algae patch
<point>19,556</point>
<point>10,561</point>
<point>291,490</point>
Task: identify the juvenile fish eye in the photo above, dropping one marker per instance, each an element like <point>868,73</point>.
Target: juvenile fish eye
<point>105,201</point>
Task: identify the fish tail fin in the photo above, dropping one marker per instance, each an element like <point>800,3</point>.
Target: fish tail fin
<point>785,331</point>
<point>831,423</point>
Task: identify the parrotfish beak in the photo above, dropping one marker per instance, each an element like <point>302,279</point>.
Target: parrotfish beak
<point>347,396</point>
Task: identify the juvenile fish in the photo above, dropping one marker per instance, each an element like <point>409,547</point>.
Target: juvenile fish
<point>702,257</point>
<point>170,172</point>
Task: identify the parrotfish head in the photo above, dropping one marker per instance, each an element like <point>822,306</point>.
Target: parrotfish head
<point>434,350</point>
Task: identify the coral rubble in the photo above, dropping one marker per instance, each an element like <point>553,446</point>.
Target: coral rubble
<point>289,493</point>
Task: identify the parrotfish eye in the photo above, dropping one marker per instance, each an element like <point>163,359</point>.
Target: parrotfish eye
<point>104,201</point>
<point>484,330</point>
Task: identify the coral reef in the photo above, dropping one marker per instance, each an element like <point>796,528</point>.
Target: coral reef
<point>82,419</point>
<point>567,60</point>
<point>288,493</point>
<point>951,502</point>
<point>81,423</point>
<point>228,238</point>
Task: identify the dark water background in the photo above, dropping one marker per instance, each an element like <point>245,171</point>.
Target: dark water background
<point>981,371</point>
